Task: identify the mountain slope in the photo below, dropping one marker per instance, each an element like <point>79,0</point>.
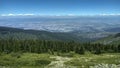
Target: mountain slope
<point>7,32</point>
<point>112,39</point>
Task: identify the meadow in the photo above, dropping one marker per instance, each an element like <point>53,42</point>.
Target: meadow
<point>63,60</point>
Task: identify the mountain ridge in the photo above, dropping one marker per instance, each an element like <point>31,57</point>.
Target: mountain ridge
<point>36,34</point>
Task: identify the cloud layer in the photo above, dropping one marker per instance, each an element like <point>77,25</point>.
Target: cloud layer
<point>10,14</point>
<point>17,14</point>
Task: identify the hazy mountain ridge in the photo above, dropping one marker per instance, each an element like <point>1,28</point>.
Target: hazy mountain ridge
<point>87,28</point>
<point>6,32</point>
<point>63,24</point>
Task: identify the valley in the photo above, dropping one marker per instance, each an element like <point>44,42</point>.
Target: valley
<point>59,33</point>
<point>59,43</point>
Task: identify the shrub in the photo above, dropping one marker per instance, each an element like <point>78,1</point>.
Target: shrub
<point>70,54</point>
<point>17,55</point>
<point>42,62</point>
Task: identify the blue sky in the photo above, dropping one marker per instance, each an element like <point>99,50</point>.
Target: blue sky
<point>60,7</point>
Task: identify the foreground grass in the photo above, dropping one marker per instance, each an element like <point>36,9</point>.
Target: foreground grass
<point>25,60</point>
<point>87,60</point>
<point>33,60</point>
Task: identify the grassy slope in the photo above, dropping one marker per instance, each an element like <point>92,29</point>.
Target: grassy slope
<point>32,60</point>
<point>90,60</point>
<point>25,60</point>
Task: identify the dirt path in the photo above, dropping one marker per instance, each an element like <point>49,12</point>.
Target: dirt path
<point>59,63</point>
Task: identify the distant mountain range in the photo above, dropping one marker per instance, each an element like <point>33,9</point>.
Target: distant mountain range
<point>8,32</point>
<point>78,28</point>
<point>64,24</point>
<point>16,33</point>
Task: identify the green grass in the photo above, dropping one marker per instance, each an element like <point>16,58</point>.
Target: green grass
<point>33,60</point>
<point>84,61</point>
<point>25,60</point>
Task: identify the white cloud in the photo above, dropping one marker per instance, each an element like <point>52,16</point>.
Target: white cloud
<point>11,14</point>
<point>28,14</point>
<point>109,14</point>
<point>17,14</point>
<point>71,15</point>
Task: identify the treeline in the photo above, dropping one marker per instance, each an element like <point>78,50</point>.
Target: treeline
<point>44,46</point>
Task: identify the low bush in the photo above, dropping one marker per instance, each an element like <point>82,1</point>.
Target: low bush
<point>42,62</point>
<point>17,55</point>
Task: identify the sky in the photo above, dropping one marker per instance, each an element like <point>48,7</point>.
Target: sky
<point>59,7</point>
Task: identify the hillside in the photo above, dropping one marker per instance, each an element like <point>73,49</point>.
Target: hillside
<point>112,39</point>
<point>6,32</point>
<point>17,33</point>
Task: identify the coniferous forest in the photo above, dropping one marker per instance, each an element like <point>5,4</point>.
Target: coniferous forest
<point>44,46</point>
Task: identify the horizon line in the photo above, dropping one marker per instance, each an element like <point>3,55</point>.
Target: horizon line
<point>29,14</point>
